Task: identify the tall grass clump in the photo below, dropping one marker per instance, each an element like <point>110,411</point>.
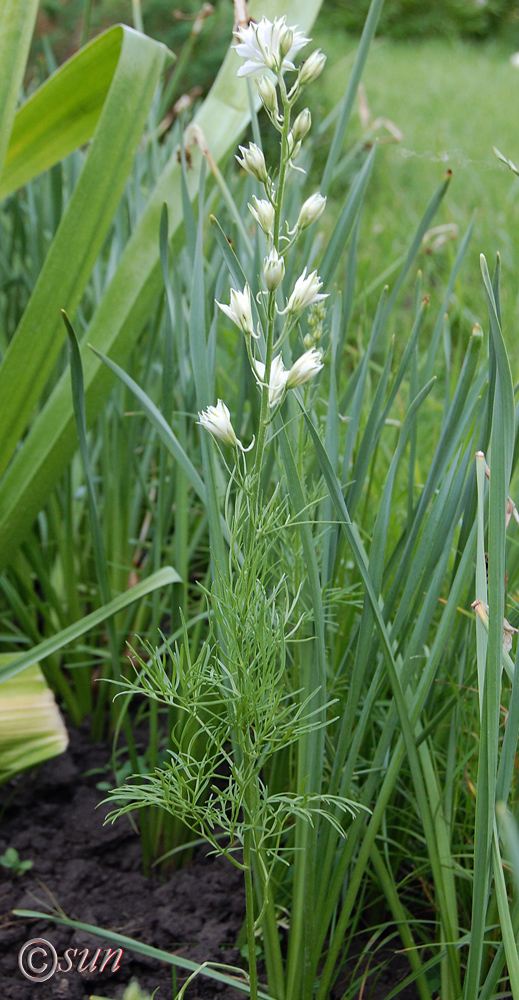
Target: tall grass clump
<point>321,733</point>
<point>343,714</point>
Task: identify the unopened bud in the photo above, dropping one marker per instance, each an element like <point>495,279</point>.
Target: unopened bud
<point>312,67</point>
<point>293,146</point>
<point>263,212</point>
<point>273,270</point>
<point>302,125</point>
<point>268,94</point>
<point>310,211</point>
<point>286,40</point>
<point>253,162</point>
<point>308,341</point>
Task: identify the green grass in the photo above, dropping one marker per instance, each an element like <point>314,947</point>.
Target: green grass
<point>453,101</point>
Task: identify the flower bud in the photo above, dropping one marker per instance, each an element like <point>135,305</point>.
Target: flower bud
<point>308,341</point>
<point>268,94</point>
<point>304,368</point>
<point>302,125</point>
<point>312,67</point>
<point>286,40</point>
<point>264,213</point>
<point>253,162</point>
<point>273,270</point>
<point>293,146</point>
<point>316,318</point>
<point>310,211</point>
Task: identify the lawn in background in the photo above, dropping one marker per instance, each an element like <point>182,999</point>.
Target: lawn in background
<point>453,101</point>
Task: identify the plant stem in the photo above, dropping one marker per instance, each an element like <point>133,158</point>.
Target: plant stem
<point>271,307</point>
<point>249,898</point>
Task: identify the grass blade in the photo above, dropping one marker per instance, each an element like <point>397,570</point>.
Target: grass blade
<point>141,949</point>
<point>368,34</point>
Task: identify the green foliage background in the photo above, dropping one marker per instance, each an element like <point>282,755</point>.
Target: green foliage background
<point>419,18</point>
<point>60,22</point>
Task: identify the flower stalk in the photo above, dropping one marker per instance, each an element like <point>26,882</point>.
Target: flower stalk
<point>271,301</point>
<point>242,666</point>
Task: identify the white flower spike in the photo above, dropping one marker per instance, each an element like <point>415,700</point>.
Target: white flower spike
<point>239,310</point>
<point>306,292</point>
<point>304,368</point>
<point>217,420</point>
<point>278,378</point>
<point>270,44</point>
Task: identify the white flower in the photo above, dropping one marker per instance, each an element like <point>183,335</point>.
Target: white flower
<point>264,214</point>
<point>304,368</point>
<point>268,44</point>
<point>239,310</point>
<point>278,378</point>
<point>253,161</point>
<point>273,270</point>
<point>312,67</point>
<point>217,420</point>
<point>306,291</point>
<point>310,210</point>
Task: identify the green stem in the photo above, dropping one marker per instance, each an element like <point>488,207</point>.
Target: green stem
<point>249,900</point>
<point>271,304</point>
<point>283,161</point>
<point>137,15</point>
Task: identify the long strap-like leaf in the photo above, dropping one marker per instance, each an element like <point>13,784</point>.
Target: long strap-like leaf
<point>16,28</point>
<point>33,350</point>
<point>63,113</point>
<point>121,941</point>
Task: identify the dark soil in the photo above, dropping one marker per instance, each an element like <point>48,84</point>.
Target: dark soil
<point>93,873</point>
